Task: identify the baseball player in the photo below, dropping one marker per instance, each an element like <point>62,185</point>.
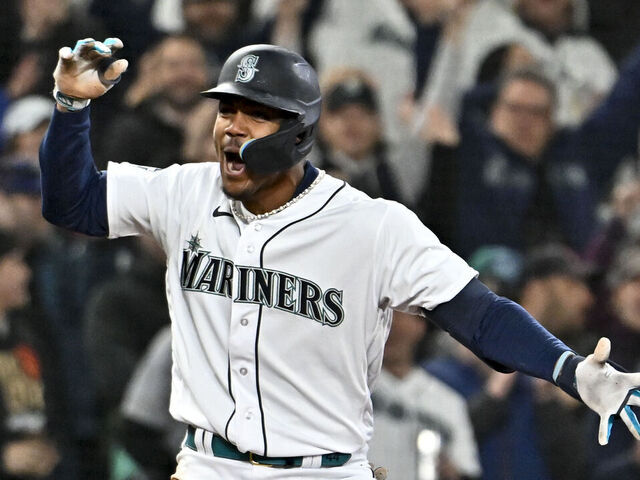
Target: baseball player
<point>281,280</point>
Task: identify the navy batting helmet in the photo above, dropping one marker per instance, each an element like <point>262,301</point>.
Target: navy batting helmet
<point>281,79</point>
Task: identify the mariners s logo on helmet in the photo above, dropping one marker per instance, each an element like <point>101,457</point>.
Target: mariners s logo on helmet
<point>247,68</point>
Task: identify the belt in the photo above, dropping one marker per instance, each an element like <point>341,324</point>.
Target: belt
<point>223,449</point>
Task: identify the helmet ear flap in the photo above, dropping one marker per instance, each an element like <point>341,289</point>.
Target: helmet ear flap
<point>278,151</point>
<point>304,140</point>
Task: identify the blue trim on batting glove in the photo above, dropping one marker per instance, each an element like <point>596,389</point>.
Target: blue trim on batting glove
<point>633,418</point>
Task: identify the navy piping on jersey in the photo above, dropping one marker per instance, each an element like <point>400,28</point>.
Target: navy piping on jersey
<point>226,427</point>
<point>264,430</point>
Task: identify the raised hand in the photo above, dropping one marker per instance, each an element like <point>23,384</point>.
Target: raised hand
<point>87,72</point>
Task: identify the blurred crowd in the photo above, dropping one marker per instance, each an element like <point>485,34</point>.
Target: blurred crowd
<point>510,127</point>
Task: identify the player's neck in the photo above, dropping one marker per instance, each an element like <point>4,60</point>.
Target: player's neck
<point>276,194</point>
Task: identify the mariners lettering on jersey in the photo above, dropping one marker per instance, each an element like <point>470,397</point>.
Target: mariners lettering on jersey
<point>206,273</point>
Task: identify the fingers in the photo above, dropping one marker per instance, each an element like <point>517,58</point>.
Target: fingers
<point>113,43</point>
<point>605,429</point>
<point>90,48</point>
<point>65,58</point>
<point>65,54</point>
<point>116,69</point>
<point>603,348</point>
<point>631,421</point>
<point>82,46</point>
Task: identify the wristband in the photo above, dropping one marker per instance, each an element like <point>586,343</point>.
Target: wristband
<point>72,104</point>
<point>564,374</point>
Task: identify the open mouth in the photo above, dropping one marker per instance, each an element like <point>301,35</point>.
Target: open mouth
<point>235,165</point>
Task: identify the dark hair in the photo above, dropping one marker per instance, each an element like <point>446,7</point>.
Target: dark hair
<point>530,74</point>
<point>493,64</point>
<point>555,259</point>
<point>351,91</point>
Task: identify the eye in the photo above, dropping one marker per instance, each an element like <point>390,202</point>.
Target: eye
<point>261,115</point>
<point>225,109</point>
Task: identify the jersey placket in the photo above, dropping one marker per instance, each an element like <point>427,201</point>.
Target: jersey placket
<point>245,428</point>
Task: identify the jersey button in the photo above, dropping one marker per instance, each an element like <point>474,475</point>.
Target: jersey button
<point>250,249</point>
<point>243,371</point>
<point>244,322</point>
<point>257,227</point>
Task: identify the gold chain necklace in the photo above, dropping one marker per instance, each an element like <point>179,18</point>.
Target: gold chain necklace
<point>251,217</point>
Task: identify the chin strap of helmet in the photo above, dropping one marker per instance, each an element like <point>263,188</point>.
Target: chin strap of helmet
<point>278,151</point>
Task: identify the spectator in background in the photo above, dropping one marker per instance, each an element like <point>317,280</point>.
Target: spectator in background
<point>501,408</point>
<point>163,96</point>
<point>20,185</point>
<point>148,435</point>
<point>131,20</point>
<point>23,127</point>
<point>198,143</point>
<point>554,31</point>
<point>408,401</point>
<point>350,141</point>
<point>523,429</point>
<point>220,26</point>
<point>615,24</point>
<point>27,450</point>
<point>621,223</point>
<point>623,321</point>
<point>377,37</point>
<point>429,18</point>
<point>555,289</point>
<point>44,25</point>
<point>9,40</point>
<point>500,405</point>
<point>623,466</point>
<point>135,297</point>
<point>65,269</point>
<point>517,179</point>
<point>500,268</point>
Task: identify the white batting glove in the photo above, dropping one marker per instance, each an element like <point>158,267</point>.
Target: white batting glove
<point>605,390</point>
<point>87,72</point>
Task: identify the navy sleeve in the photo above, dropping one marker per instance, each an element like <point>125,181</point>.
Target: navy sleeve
<point>499,331</point>
<point>74,192</point>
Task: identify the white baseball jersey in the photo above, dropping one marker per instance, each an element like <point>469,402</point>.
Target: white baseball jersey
<point>279,324</point>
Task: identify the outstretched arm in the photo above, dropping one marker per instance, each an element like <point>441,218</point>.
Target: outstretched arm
<point>73,191</point>
<point>502,333</point>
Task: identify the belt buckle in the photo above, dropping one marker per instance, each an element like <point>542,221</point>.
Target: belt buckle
<point>254,462</point>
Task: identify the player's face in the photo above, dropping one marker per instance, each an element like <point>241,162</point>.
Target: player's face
<point>240,120</point>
